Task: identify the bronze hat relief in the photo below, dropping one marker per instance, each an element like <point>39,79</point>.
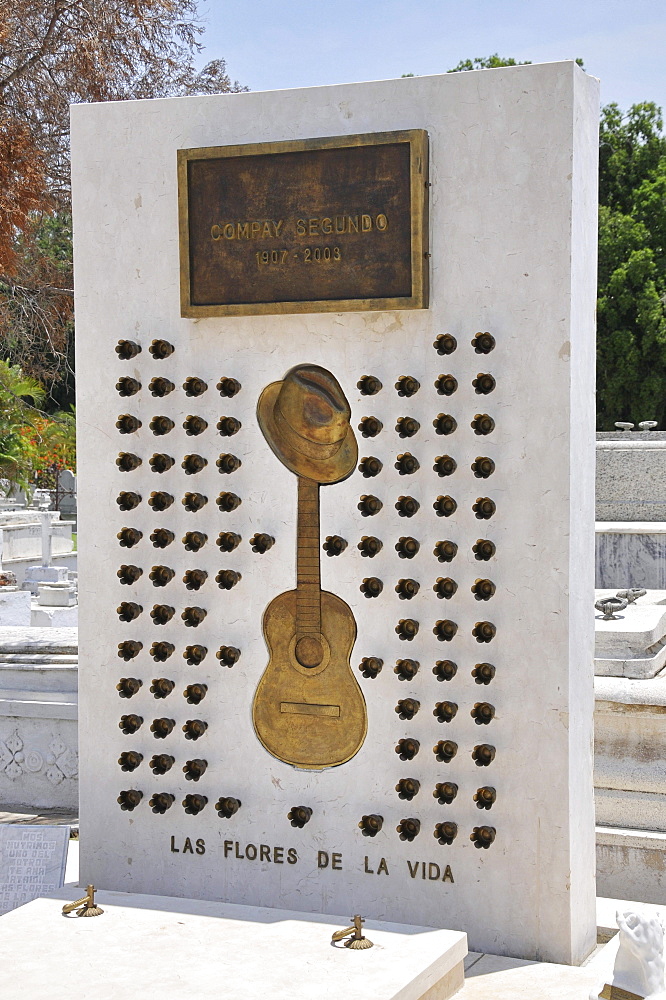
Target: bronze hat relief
<point>305,419</point>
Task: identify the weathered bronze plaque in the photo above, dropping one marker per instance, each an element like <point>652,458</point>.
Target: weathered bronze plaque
<point>306,226</point>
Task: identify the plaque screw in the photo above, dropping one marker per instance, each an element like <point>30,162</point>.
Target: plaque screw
<point>161,651</point>
<point>129,760</point>
<point>127,349</point>
<point>161,349</point>
<point>161,801</point>
<point>370,666</point>
<point>445,750</point>
<point>161,537</point>
<point>130,799</point>
<point>445,711</point>
<point>485,797</point>
<point>194,386</point>
<point>127,650</point>
<point>483,673</point>
<point>445,670</point>
<point>483,836</point>
<point>407,788</point>
<point>127,687</point>
<point>445,587</point>
<point>445,551</point>
<point>227,806</point>
<point>406,670</point>
<point>446,833</point>
<point>128,501</point>
<point>484,631</point>
<point>445,792</point>
<point>299,815</point>
<point>408,828</point>
<point>371,825</point>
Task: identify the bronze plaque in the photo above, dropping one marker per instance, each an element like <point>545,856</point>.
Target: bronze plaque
<point>306,226</point>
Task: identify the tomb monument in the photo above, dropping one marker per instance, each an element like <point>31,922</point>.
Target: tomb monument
<point>336,501</point>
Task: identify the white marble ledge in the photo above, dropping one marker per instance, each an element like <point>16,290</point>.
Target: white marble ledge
<point>637,667</point>
<point>39,661</point>
<point>619,444</point>
<point>495,977</point>
<point>646,840</point>
<point>164,948</point>
<point>629,693</point>
<point>29,639</point>
<point>633,631</point>
<point>630,527</point>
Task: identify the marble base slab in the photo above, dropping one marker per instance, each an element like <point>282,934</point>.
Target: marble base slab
<point>14,608</point>
<point>64,617</point>
<point>495,977</point>
<point>166,948</point>
<point>630,554</point>
<point>632,863</point>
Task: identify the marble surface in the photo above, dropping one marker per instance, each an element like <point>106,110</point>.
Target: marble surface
<point>633,643</point>
<point>630,554</point>
<point>630,786</point>
<point>14,609</point>
<point>39,640</point>
<point>513,255</point>
<point>631,480</point>
<point>632,862</point>
<point>486,975</point>
<point>494,977</point>
<point>32,862</point>
<point>38,717</point>
<point>634,435</point>
<point>631,632</point>
<point>164,949</point>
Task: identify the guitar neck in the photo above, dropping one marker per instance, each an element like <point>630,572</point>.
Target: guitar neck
<point>308,577</point>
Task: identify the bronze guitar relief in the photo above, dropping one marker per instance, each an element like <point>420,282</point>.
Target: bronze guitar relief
<point>308,709</point>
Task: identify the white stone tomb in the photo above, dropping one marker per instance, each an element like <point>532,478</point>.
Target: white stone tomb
<point>512,252</point>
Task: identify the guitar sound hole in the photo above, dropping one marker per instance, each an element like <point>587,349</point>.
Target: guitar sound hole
<point>309,651</point>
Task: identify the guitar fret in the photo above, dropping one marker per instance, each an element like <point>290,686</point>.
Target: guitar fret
<point>308,566</point>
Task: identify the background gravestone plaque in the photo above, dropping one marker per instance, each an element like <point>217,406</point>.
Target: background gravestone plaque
<point>32,862</point>
<point>427,758</point>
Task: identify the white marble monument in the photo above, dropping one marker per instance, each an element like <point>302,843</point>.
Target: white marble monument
<point>511,254</point>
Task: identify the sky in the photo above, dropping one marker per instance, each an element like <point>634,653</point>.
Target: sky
<point>272,45</point>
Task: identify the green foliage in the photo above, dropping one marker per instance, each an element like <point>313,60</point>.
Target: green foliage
<point>486,62</point>
<point>50,445</point>
<point>36,307</point>
<point>631,305</point>
<point>18,397</point>
<point>631,147</point>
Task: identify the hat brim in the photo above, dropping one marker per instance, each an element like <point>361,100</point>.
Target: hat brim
<point>327,470</point>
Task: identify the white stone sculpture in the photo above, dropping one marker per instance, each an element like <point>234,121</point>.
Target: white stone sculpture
<point>639,964</point>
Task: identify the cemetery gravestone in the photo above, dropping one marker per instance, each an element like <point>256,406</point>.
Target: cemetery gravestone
<point>32,862</point>
<point>336,564</point>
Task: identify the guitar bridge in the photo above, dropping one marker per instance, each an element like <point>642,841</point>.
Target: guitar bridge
<point>302,708</point>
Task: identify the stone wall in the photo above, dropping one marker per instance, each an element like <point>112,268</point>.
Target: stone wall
<point>38,718</point>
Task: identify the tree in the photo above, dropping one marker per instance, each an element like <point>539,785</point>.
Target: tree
<point>631,305</point>
<point>54,53</point>
<point>631,296</point>
<point>49,446</point>
<point>486,62</point>
<point>19,395</point>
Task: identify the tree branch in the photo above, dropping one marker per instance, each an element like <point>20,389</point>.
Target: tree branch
<point>24,67</point>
